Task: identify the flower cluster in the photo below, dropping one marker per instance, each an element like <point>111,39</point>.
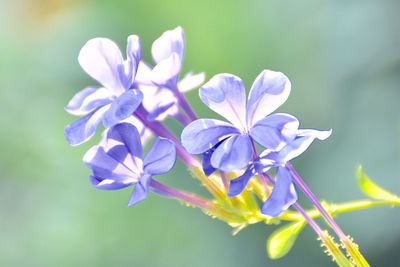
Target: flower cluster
<point>241,161</point>
<point>134,95</point>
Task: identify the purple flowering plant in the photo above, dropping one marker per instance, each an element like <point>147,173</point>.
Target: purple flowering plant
<point>245,163</point>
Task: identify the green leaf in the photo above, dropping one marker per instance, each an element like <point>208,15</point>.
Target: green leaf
<point>282,240</point>
<point>371,189</point>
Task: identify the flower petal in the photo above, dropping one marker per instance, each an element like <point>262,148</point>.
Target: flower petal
<point>102,60</point>
<point>122,107</point>
<point>105,166</point>
<point>208,169</point>
<point>128,135</point>
<point>88,100</point>
<point>206,159</point>
<point>133,53</point>
<point>141,190</point>
<point>161,157</point>
<point>159,102</point>
<point>201,135</point>
<point>172,41</point>
<point>269,91</point>
<point>107,184</point>
<point>283,194</point>
<point>83,129</point>
<point>300,144</point>
<point>166,71</point>
<point>143,75</point>
<point>275,130</point>
<point>145,133</point>
<point>233,154</point>
<point>265,161</point>
<point>237,185</point>
<point>225,94</point>
<point>161,111</point>
<point>191,81</point>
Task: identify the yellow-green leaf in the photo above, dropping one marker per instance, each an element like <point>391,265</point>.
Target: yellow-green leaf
<point>282,240</point>
<point>371,189</point>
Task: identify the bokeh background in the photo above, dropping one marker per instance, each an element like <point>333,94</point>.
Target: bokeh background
<point>343,58</point>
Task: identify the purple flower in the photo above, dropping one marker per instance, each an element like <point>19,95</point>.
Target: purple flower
<point>160,85</point>
<point>167,52</point>
<point>115,101</point>
<point>229,145</point>
<point>283,194</point>
<point>161,102</point>
<point>117,163</point>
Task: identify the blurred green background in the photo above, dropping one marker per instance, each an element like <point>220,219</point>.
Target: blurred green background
<point>343,58</point>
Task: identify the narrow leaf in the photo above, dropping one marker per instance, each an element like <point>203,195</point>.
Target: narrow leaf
<point>282,240</point>
<point>371,189</point>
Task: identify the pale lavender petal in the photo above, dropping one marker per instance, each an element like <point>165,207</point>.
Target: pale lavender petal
<point>161,157</point>
<point>102,60</point>
<point>225,94</point>
<point>143,74</point>
<point>172,41</point>
<point>191,81</point>
<point>83,129</point>
<point>201,135</point>
<point>167,70</point>
<point>320,135</point>
<point>237,185</point>
<point>141,190</point>
<point>268,92</point>
<point>145,133</point>
<point>88,100</point>
<point>122,107</point>
<point>274,131</point>
<point>160,111</point>
<point>160,102</point>
<point>233,154</point>
<point>133,53</point>
<point>104,165</point>
<point>283,194</point>
<point>128,135</point>
<point>300,144</point>
<point>265,161</point>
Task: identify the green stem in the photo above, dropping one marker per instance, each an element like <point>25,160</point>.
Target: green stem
<point>339,208</point>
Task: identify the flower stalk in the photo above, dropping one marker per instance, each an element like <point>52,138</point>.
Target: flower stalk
<point>189,198</point>
<point>185,105</point>
<point>348,244</point>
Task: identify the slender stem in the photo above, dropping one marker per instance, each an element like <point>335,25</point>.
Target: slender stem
<point>158,129</point>
<point>313,224</point>
<point>300,209</point>
<point>171,192</point>
<point>338,208</point>
<point>351,248</point>
<point>336,253</point>
<point>184,104</point>
<point>182,118</point>
<point>310,195</point>
<point>261,177</point>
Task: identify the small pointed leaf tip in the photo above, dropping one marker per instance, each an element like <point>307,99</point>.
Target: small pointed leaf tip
<point>282,240</point>
<point>371,189</point>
